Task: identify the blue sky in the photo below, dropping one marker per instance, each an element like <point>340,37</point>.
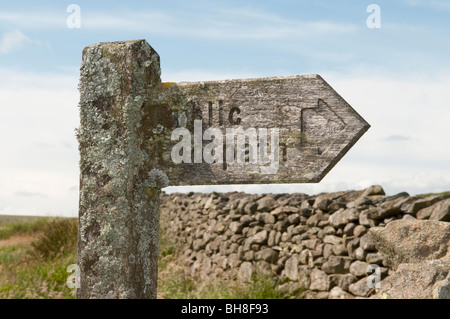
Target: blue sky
<point>396,76</point>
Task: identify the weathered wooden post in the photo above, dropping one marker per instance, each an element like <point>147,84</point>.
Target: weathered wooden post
<point>137,134</point>
<point>118,239</point>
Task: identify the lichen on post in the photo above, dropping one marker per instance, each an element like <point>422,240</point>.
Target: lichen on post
<point>118,241</point>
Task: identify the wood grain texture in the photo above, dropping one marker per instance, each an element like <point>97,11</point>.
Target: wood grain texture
<point>316,126</point>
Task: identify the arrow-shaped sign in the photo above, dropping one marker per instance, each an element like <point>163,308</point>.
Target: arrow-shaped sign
<point>266,130</point>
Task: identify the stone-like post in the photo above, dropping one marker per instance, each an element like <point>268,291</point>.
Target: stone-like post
<point>118,240</point>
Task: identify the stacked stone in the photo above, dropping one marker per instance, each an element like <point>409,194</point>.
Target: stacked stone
<point>318,243</point>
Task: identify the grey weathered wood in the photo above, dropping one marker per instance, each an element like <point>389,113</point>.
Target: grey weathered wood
<point>316,126</point>
<point>118,239</point>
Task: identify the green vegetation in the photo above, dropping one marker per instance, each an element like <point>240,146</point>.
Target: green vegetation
<point>19,225</point>
<point>432,194</point>
<point>176,282</point>
<point>35,254</point>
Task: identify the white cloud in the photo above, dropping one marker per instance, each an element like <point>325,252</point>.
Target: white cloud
<point>36,19</point>
<point>16,40</point>
<point>219,24</point>
<point>13,41</point>
<point>39,162</point>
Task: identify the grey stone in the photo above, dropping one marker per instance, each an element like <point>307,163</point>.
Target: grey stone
<point>360,288</point>
<point>415,204</point>
<point>374,190</point>
<point>359,230</point>
<point>260,237</point>
<point>246,270</point>
<point>366,243</point>
<point>249,255</point>
<point>331,239</point>
<point>271,238</point>
<point>415,281</point>
<point>340,250</point>
<point>267,218</point>
<point>348,229</point>
<point>236,227</point>
<point>310,243</point>
<point>319,281</point>
<point>323,223</point>
<point>360,254</point>
<point>359,268</point>
<point>336,265</point>
<point>438,211</point>
<point>306,257</point>
<point>362,201</point>
<point>199,244</point>
<point>215,244</point>
<point>328,250</point>
<point>321,295</point>
<point>290,287</point>
<point>338,293</point>
<point>263,267</point>
<point>245,219</point>
<point>335,205</point>
<point>412,241</point>
<point>441,289</point>
<point>294,219</point>
<point>374,258</point>
<point>285,209</point>
<point>233,260</point>
<point>285,237</point>
<point>304,276</point>
<point>329,230</point>
<point>343,217</point>
<point>408,217</point>
<point>314,220</point>
<point>319,261</point>
<point>291,268</point>
<point>300,229</point>
<point>250,208</point>
<point>321,203</point>
<point>352,245</point>
<point>266,204</point>
<point>365,220</point>
<point>268,254</point>
<point>390,207</point>
<point>342,280</point>
<point>377,213</point>
<point>254,228</point>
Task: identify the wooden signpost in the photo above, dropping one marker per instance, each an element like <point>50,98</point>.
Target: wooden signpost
<point>138,135</point>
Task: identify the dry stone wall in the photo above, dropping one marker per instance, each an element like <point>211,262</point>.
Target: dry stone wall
<point>319,244</point>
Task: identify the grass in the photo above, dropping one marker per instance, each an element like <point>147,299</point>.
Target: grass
<point>176,282</point>
<point>37,268</point>
<point>432,194</point>
<point>20,225</point>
